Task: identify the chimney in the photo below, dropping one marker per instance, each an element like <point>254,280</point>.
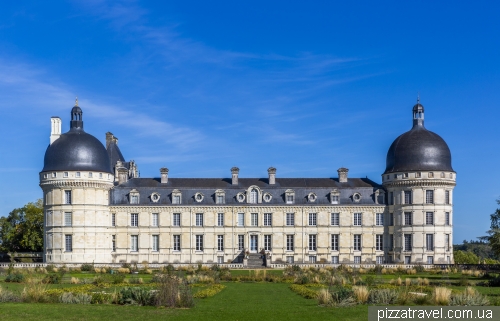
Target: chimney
<point>234,172</point>
<point>272,175</point>
<point>122,175</point>
<point>110,138</point>
<point>55,129</point>
<point>164,175</point>
<point>342,174</point>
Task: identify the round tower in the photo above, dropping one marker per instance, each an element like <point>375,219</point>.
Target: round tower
<point>419,180</point>
<point>76,179</point>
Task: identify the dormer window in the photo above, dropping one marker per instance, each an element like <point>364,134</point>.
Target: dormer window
<point>90,175</point>
<point>65,174</point>
<point>134,197</point>
<point>198,197</point>
<point>418,175</point>
<point>78,174</point>
<point>155,197</point>
<point>220,196</point>
<point>176,197</point>
<point>405,175</point>
<point>311,197</point>
<point>430,175</point>
<point>54,175</point>
<point>442,175</point>
<point>254,195</point>
<point>240,197</point>
<point>356,197</point>
<point>100,175</point>
<point>267,197</point>
<point>335,196</point>
<point>290,196</point>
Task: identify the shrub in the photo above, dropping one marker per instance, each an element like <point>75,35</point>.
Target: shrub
<point>361,293</point>
<point>342,294</point>
<point>135,295</point>
<point>441,296</point>
<point>469,297</point>
<point>124,270</point>
<point>8,296</point>
<point>79,298</point>
<point>17,277</point>
<point>370,280</point>
<point>75,280</point>
<point>87,267</point>
<point>304,291</point>
<point>101,297</point>
<point>324,297</point>
<point>419,268</point>
<point>464,280</point>
<point>210,291</point>
<point>52,279</point>
<point>50,268</point>
<point>420,298</point>
<point>117,278</point>
<point>407,281</point>
<point>35,293</point>
<point>173,292</point>
<point>136,281</point>
<point>384,296</point>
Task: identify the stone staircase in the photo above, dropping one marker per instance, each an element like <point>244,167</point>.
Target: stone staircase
<point>255,262</point>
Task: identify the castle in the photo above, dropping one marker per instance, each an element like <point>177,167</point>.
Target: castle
<point>98,209</point>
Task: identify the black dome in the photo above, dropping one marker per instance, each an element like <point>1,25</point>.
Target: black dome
<point>76,150</point>
<point>418,149</point>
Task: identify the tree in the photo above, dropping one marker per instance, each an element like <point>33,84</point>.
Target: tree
<point>22,229</point>
<point>494,232</point>
<point>465,257</point>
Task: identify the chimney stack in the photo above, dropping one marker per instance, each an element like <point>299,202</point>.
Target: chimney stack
<point>234,172</point>
<point>55,129</point>
<point>122,175</point>
<point>272,175</point>
<point>343,174</point>
<point>110,138</point>
<point>164,175</point>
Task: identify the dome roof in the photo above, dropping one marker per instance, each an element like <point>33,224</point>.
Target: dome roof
<point>76,150</point>
<point>418,149</point>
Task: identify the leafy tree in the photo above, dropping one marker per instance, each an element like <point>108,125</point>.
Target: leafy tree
<point>22,229</point>
<point>465,257</point>
<point>494,232</point>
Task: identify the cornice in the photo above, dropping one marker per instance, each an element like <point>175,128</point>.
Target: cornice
<point>419,183</point>
<point>68,183</point>
<point>236,209</point>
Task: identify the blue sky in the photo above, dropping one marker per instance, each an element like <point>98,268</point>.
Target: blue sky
<point>306,87</point>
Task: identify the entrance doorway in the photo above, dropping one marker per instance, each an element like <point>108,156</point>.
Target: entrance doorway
<point>254,244</point>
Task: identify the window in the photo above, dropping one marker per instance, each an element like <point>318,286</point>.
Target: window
<point>447,242</point>
<point>199,242</point>
<point>154,219</point>
<point>429,196</point>
<point>65,174</point>
<point>429,242</point>
<point>220,199</point>
<point>267,242</point>
<point>68,243</point>
<point>220,242</point>
<point>379,219</point>
<point>391,241</point>
<point>335,199</point>
<point>290,219</point>
<point>407,259</point>
<point>199,219</point>
<point>134,219</point>
<point>176,219</point>
<point>253,196</point>
<point>268,219</point>
<point>220,259</point>
<point>113,243</point>
<point>408,197</point>
<point>241,219</point>
<point>418,175</point>
<point>78,174</point>
<point>254,219</point>
<point>408,242</point>
<point>447,197</point>
<point>430,175</point>
<point>177,242</point>
<point>335,219</point>
<point>176,199</point>
<point>67,197</point>
<point>220,219</point>
<point>312,242</point>
<point>391,198</point>
<point>312,259</point>
<point>405,175</point>
<point>113,219</point>
<point>68,219</point>
<point>312,219</point>
<point>289,196</point>
<point>357,242</point>
<point>379,242</point>
<point>198,197</point>
<point>357,219</point>
<point>447,218</point>
<point>90,175</point>
<point>429,218</point>
<point>54,175</point>
<point>335,259</point>
<point>391,219</point>
<point>289,199</point>
<point>335,242</point>
<point>156,243</point>
<point>380,259</point>
<point>134,240</point>
<point>100,175</point>
<point>241,242</point>
<point>408,218</point>
<point>430,260</point>
<point>289,259</point>
<point>357,260</point>
<point>289,243</point>
<point>134,199</point>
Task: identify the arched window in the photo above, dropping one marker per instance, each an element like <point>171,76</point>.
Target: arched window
<point>253,196</point>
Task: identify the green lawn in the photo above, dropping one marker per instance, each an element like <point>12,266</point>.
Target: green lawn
<point>238,301</point>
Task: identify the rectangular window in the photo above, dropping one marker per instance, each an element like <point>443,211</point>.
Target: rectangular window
<point>69,243</point>
<point>134,199</point>
<point>408,218</point>
<point>429,218</point>
<point>335,259</point>
<point>447,218</point>
<point>391,198</point>
<point>408,242</point>
<point>113,243</point>
<point>447,242</point>
<point>335,199</point>
<point>289,199</point>
<point>154,219</point>
<point>156,243</point>
<point>289,259</point>
<point>241,219</point>
<point>100,175</point>
<point>90,175</point>
<point>407,259</point>
<point>199,219</point>
<point>289,243</point>
<point>312,219</point>
<point>254,219</point>
<point>357,260</point>
<point>134,219</point>
<point>199,242</point>
<point>220,199</point>
<point>177,242</point>
<point>241,242</point>
<point>176,219</point>
<point>134,243</point>
<point>312,242</point>
<point>267,242</point>
<point>357,219</point>
<point>113,219</point>
<point>335,219</point>
<point>220,259</point>
<point>408,198</point>
<point>447,197</point>
<point>220,242</point>
<point>335,242</point>
<point>67,197</point>
<point>379,221</point>
<point>429,196</point>
<point>68,219</point>
<point>357,242</point>
<point>312,259</point>
<point>268,219</point>
<point>176,199</point>
<point>220,219</point>
<point>380,259</point>
<point>430,260</point>
<point>65,174</point>
<point>391,241</point>
<point>391,219</point>
<point>379,242</point>
<point>290,219</point>
<point>78,174</point>
<point>429,242</point>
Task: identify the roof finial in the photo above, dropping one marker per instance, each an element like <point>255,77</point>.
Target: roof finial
<point>76,101</point>
<point>418,97</point>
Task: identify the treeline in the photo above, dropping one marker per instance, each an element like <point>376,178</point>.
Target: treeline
<point>22,229</point>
